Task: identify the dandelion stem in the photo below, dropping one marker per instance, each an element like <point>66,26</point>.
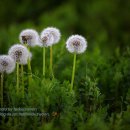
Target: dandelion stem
<point>29,72</point>
<point>2,80</point>
<point>73,72</point>
<point>51,62</point>
<point>44,61</point>
<point>17,85</point>
<point>22,74</point>
<point>29,69</point>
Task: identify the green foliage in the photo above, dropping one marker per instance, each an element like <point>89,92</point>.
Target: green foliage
<point>100,99</point>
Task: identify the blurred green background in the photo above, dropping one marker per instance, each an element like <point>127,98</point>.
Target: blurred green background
<point>105,23</point>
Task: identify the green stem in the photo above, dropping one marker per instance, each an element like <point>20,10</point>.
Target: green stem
<point>44,61</point>
<point>29,69</point>
<point>2,80</point>
<point>17,84</point>
<point>51,62</point>
<point>73,72</point>
<point>22,74</point>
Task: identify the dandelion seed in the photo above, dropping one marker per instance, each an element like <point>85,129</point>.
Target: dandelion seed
<point>46,38</point>
<point>19,53</point>
<point>76,44</point>
<point>7,64</point>
<point>56,37</point>
<point>49,36</point>
<point>55,33</point>
<point>29,37</point>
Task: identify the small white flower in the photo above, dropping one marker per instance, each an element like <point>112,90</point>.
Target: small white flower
<point>55,32</point>
<point>50,36</point>
<point>76,44</point>
<point>29,37</point>
<point>19,53</point>
<point>46,38</point>
<point>7,64</point>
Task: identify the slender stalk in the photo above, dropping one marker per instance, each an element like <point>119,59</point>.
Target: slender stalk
<point>51,62</point>
<point>73,72</point>
<point>2,80</point>
<point>17,84</point>
<point>22,74</point>
<point>29,69</point>
<point>44,61</point>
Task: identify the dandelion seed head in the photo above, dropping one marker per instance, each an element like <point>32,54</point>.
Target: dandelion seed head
<point>76,44</point>
<point>55,32</point>
<point>29,37</point>
<point>19,53</point>
<point>7,64</point>
<point>46,38</point>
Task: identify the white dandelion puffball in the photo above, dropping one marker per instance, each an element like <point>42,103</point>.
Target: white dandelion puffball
<point>29,37</point>
<point>7,64</point>
<point>76,44</point>
<point>50,35</point>
<point>46,38</point>
<point>19,53</point>
<point>55,32</point>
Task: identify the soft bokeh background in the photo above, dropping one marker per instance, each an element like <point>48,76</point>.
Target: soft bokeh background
<point>105,23</point>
